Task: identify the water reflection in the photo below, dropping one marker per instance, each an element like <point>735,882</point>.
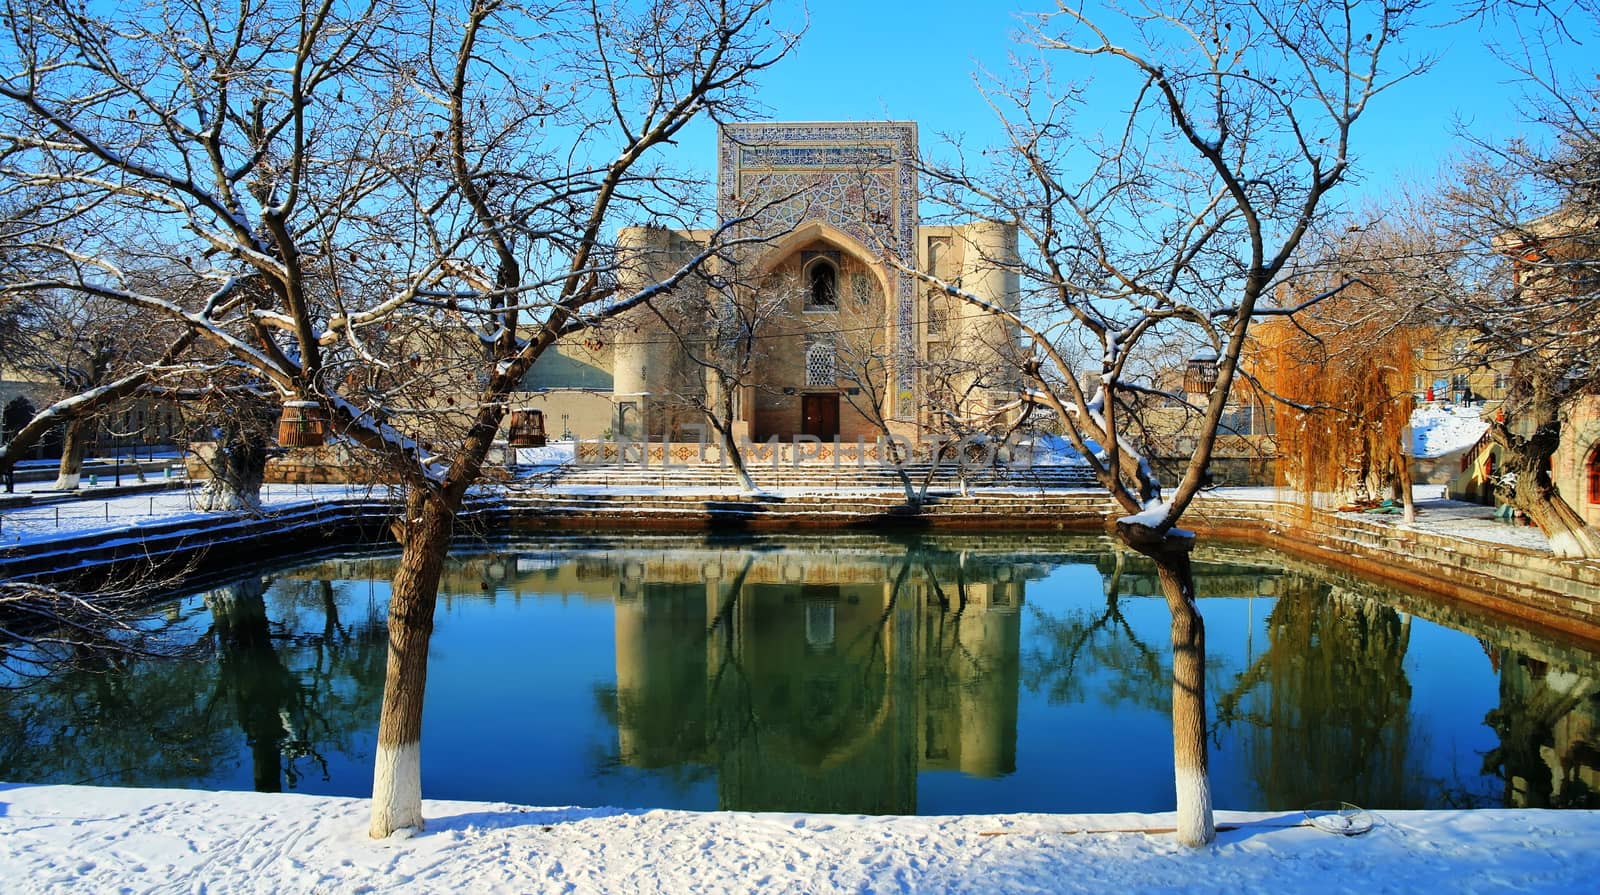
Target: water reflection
<point>1325,710</point>
<point>818,682</point>
<point>293,692</point>
<point>846,674</point>
<point>1549,752</point>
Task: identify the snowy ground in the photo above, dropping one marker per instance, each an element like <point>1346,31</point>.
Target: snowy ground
<point>87,839</point>
<point>105,509</point>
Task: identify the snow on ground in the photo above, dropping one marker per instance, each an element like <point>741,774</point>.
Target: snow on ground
<point>88,839</point>
<point>1056,450</point>
<point>1454,518</point>
<point>1437,430</point>
<point>556,453</point>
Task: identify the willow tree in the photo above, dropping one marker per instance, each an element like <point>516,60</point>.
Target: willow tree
<point>1176,219</point>
<point>1341,370</point>
<point>1346,406</point>
<point>323,169</point>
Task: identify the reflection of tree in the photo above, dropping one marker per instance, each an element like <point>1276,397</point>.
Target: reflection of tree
<point>302,692</point>
<point>297,690</point>
<point>1108,641</point>
<point>250,671</point>
<point>1326,708</point>
<point>121,721</point>
<point>1549,752</point>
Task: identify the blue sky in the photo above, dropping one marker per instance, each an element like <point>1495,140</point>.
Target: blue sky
<point>915,61</point>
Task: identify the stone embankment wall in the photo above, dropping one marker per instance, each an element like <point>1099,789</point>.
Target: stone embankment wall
<point>1524,584</point>
<point>1512,581</point>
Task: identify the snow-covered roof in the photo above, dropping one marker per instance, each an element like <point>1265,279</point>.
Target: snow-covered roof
<point>1440,430</point>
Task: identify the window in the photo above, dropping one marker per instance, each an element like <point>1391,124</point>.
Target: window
<point>938,249</point>
<point>861,286</point>
<point>822,284</point>
<point>820,365</point>
<point>1237,420</point>
<point>819,626</point>
<point>935,312</point>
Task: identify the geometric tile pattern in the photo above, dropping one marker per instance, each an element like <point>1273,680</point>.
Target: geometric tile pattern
<point>857,177</point>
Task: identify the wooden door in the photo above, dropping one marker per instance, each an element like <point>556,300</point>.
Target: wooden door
<point>819,416</point>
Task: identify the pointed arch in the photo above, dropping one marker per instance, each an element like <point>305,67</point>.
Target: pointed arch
<point>813,231</point>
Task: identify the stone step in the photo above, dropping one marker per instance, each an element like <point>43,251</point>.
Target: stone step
<point>808,476</point>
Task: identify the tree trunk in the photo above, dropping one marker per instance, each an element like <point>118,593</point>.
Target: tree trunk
<point>425,533</point>
<point>1570,536</point>
<point>1402,490</point>
<point>899,461</point>
<point>747,484</point>
<point>730,447</point>
<point>1533,491</point>
<point>1191,772</point>
<point>72,448</point>
<point>237,470</point>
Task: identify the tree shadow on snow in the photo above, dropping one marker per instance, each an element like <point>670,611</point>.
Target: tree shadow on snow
<point>520,816</point>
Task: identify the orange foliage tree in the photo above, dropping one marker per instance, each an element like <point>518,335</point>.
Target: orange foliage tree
<point>1341,373</point>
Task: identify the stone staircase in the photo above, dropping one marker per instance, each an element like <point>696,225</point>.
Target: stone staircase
<point>815,494</point>
<point>820,477</point>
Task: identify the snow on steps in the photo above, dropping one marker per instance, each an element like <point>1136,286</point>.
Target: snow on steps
<point>818,476</point>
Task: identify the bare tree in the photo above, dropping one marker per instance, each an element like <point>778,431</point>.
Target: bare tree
<point>324,170</point>
<point>723,333</point>
<point>1179,218</point>
<point>46,628</point>
<point>1523,218</point>
<point>78,344</point>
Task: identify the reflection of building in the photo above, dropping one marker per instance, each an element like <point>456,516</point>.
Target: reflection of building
<point>839,331</point>
<point>1549,728</point>
<point>818,683</point>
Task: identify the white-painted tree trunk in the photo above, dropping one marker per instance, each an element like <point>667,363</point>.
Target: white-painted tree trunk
<point>68,474</point>
<point>397,788</point>
<point>237,471</point>
<point>425,531</point>
<point>221,495</point>
<point>1196,825</point>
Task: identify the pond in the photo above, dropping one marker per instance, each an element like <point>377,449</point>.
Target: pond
<point>936,675</point>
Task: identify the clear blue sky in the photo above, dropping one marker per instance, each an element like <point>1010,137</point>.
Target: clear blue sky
<point>863,60</point>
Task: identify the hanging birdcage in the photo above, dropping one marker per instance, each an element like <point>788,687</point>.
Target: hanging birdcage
<point>1200,374</point>
<point>527,428</point>
<point>302,424</point>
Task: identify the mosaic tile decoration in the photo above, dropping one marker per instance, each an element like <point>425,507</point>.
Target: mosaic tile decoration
<point>857,177</point>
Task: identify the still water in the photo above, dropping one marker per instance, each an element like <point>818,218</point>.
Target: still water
<point>850,674</point>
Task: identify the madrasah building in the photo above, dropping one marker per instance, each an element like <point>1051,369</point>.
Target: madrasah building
<point>842,344</point>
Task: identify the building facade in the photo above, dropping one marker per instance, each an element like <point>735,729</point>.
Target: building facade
<point>810,321</point>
